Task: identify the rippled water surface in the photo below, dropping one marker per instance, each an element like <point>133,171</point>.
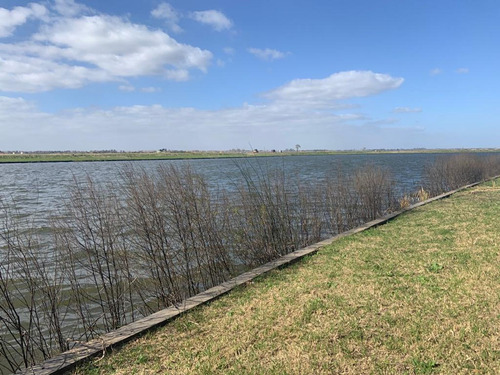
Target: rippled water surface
<point>39,187</point>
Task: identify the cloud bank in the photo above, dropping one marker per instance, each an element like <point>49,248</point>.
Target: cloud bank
<point>288,116</point>
<point>73,48</point>
<point>323,93</point>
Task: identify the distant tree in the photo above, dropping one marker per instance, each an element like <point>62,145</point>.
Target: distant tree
<point>297,147</point>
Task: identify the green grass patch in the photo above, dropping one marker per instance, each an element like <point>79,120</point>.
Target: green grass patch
<point>418,295</point>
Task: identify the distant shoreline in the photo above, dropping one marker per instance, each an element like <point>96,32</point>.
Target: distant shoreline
<point>42,157</point>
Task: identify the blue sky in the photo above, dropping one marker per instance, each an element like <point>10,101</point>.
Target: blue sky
<point>220,75</point>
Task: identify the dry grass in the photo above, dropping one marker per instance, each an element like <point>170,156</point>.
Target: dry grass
<point>415,296</point>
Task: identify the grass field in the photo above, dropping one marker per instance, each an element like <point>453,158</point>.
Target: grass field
<point>419,295</point>
<point>120,156</point>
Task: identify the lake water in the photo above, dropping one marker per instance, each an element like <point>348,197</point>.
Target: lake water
<point>37,188</point>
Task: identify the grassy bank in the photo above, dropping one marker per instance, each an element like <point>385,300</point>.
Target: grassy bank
<point>124,156</point>
<point>418,295</point>
<point>119,156</point>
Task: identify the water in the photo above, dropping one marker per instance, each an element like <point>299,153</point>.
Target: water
<point>37,188</point>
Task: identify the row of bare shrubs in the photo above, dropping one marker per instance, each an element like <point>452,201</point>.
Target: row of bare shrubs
<point>122,250</point>
<point>451,172</point>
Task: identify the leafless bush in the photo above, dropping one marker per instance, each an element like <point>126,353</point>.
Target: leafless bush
<point>91,239</point>
<point>197,223</point>
<point>179,232</point>
<point>340,203</point>
<point>375,190</point>
<point>352,200</point>
<point>155,259</point>
<point>276,215</point>
<point>310,217</point>
<point>262,227</point>
<point>31,308</point>
<point>492,165</point>
<point>451,172</point>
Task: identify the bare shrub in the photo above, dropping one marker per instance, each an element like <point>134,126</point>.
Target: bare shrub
<point>154,256</point>
<point>375,191</point>
<point>262,217</point>
<point>31,308</point>
<point>92,240</point>
<point>197,227</point>
<point>310,216</point>
<point>340,204</point>
<point>451,172</point>
<point>492,165</point>
<point>179,232</point>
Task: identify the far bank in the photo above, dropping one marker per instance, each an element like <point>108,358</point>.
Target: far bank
<point>81,156</point>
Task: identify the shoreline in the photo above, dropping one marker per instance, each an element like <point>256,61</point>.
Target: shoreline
<point>138,156</point>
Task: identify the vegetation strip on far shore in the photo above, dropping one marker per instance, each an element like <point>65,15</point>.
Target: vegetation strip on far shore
<point>79,156</point>
<point>417,295</point>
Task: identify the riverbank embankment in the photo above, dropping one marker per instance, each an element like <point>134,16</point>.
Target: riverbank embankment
<point>99,156</point>
<point>416,295</point>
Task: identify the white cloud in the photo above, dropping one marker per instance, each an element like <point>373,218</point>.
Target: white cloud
<point>32,74</point>
<point>462,70</point>
<point>177,75</point>
<point>166,12</point>
<point>10,19</point>
<point>406,110</point>
<point>152,127</point>
<point>72,52</point>
<point>435,72</point>
<point>229,51</point>
<point>323,93</point>
<point>213,18</point>
<point>69,8</point>
<point>126,88</point>
<point>291,112</point>
<point>14,105</point>
<point>18,117</point>
<point>267,54</point>
<point>121,48</point>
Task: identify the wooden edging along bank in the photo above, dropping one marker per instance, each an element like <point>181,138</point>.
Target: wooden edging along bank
<point>69,359</point>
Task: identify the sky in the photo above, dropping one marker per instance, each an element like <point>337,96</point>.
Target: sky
<point>249,74</point>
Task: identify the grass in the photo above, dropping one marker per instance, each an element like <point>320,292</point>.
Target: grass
<point>419,295</point>
<point>28,157</point>
<point>112,156</point>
